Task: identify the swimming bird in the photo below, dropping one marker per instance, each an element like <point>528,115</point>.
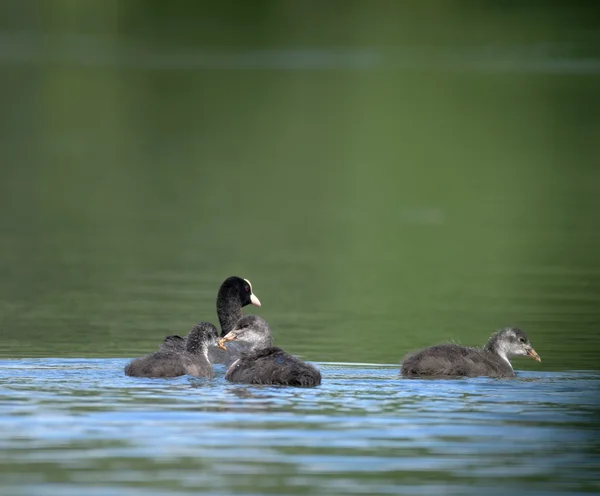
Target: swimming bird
<point>264,363</point>
<point>175,358</point>
<point>234,294</point>
<point>454,360</point>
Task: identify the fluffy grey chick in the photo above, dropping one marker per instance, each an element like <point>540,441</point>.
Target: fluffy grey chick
<point>174,360</point>
<point>454,360</point>
<point>266,364</point>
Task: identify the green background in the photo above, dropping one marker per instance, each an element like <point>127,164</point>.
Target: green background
<point>388,175</point>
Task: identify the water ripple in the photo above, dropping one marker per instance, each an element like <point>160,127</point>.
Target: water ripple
<point>73,425</point>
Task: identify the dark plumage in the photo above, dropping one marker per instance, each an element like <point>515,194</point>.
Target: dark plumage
<point>234,294</point>
<point>174,343</point>
<point>273,366</point>
<point>177,356</point>
<point>266,364</point>
<point>454,360</point>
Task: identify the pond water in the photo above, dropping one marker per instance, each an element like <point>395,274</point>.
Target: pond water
<point>79,426</point>
<point>387,177</point>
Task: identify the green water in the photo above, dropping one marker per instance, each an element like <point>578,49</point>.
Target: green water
<point>387,178</point>
<point>389,175</point>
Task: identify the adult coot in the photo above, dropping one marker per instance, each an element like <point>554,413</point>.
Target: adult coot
<point>454,360</point>
<point>264,363</point>
<point>178,356</point>
<point>234,294</point>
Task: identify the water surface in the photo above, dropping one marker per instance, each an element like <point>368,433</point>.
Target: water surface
<point>79,426</point>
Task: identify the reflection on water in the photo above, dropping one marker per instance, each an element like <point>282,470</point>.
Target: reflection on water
<point>81,426</point>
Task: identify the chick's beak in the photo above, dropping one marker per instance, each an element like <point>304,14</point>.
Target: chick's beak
<point>254,300</point>
<point>533,354</point>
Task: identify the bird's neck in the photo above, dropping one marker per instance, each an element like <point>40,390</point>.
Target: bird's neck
<point>502,355</point>
<point>197,351</point>
<point>265,342</point>
<point>495,348</point>
<point>229,309</point>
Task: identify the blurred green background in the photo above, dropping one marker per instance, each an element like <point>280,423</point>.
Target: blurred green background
<point>388,175</point>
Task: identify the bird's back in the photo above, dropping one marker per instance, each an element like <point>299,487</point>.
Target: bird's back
<point>173,343</point>
<point>273,366</point>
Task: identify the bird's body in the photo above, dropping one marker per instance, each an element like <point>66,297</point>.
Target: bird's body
<point>166,364</point>
<point>264,363</point>
<point>454,360</point>
<point>177,356</point>
<point>273,366</point>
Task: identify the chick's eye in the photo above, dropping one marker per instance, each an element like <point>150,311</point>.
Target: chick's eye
<point>523,340</point>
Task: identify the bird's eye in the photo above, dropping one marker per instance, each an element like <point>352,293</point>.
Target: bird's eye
<point>523,340</point>
<point>247,289</point>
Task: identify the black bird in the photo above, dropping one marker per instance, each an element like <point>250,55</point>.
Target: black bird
<point>264,363</point>
<point>178,356</point>
<point>234,294</point>
<point>455,360</point>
